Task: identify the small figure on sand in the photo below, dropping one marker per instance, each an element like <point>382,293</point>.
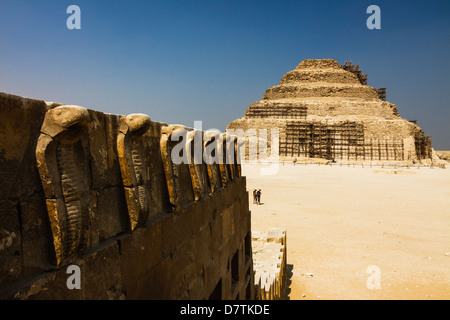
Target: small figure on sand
<point>258,197</point>
<point>255,197</point>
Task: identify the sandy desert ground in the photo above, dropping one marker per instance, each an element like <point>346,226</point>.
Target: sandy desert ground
<point>342,220</point>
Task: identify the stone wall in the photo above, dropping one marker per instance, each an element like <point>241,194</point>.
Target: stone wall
<point>322,107</point>
<point>100,191</point>
<point>338,138</point>
<point>443,155</point>
<point>270,263</point>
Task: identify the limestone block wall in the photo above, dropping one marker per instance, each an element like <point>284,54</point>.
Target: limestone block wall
<point>285,91</point>
<point>270,263</point>
<point>100,191</point>
<point>316,108</point>
<point>349,138</point>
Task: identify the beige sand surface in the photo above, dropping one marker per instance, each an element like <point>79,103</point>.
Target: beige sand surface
<point>341,220</point>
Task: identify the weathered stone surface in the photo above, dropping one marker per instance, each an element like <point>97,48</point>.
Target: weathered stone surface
<point>214,175</point>
<point>105,170</point>
<point>111,213</point>
<point>22,203</point>
<point>20,121</point>
<point>140,253</point>
<point>100,279</point>
<point>179,182</point>
<point>66,117</point>
<point>63,164</point>
<point>176,230</point>
<point>443,155</point>
<point>11,253</point>
<point>270,262</point>
<point>135,172</point>
<point>225,173</point>
<point>183,260</point>
<point>158,193</point>
<point>138,122</point>
<point>36,236</point>
<point>197,167</point>
<point>156,284</point>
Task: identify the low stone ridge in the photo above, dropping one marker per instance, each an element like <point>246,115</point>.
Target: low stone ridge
<point>443,155</point>
<point>270,263</point>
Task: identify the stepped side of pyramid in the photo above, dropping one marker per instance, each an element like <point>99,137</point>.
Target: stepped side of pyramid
<point>322,110</point>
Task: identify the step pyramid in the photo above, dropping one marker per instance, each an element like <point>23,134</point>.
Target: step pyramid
<point>323,109</point>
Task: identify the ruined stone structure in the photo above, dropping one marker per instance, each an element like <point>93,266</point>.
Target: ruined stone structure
<point>325,110</point>
<point>270,263</point>
<point>100,191</point>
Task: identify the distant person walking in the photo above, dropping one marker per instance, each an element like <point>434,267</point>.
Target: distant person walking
<point>258,197</point>
<point>255,197</point>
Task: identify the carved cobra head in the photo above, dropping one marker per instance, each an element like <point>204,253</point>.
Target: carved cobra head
<point>138,124</point>
<point>65,123</point>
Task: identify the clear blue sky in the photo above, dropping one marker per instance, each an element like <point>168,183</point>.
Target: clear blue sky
<point>180,61</point>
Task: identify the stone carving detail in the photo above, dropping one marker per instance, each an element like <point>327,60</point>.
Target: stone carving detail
<point>212,157</point>
<point>63,164</point>
<point>175,171</point>
<point>135,173</point>
<point>223,166</point>
<point>197,167</point>
<point>234,153</point>
<point>240,152</point>
<point>232,156</point>
<point>210,167</point>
